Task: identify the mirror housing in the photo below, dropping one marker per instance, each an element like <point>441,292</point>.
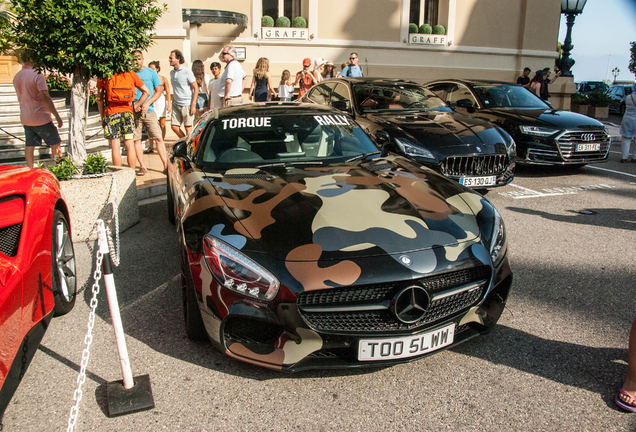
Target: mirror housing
<point>342,106</point>
<point>384,140</point>
<point>180,149</point>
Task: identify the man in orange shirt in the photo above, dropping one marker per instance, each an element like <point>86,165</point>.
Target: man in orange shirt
<point>305,78</point>
<point>115,102</point>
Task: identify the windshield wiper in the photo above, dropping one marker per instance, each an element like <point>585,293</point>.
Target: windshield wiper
<point>286,164</point>
<point>363,156</point>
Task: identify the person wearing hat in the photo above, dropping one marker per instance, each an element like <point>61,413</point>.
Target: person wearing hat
<point>537,82</point>
<point>328,72</point>
<point>319,66</point>
<point>305,78</point>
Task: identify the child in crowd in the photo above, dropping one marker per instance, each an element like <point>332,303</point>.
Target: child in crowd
<point>285,89</point>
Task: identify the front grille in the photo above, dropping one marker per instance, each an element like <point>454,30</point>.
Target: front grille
<point>365,309</point>
<point>474,165</point>
<point>10,239</point>
<point>569,140</point>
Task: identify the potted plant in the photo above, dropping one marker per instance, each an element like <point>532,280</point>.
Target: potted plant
<point>579,103</point>
<point>439,29</point>
<point>90,198</point>
<point>299,22</point>
<point>599,104</point>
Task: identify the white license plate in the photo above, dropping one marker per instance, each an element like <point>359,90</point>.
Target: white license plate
<point>404,347</point>
<point>478,181</point>
<point>588,147</point>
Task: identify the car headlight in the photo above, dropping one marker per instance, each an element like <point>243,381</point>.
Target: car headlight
<point>410,149</point>
<point>237,272</point>
<point>537,131</point>
<point>498,239</point>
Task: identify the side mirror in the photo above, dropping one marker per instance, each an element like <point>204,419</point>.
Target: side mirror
<point>464,103</point>
<point>341,105</point>
<point>384,140</point>
<point>180,149</point>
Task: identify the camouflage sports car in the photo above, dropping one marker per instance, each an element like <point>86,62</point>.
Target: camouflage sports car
<point>305,247</point>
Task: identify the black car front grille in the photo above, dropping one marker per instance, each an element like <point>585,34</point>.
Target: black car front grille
<point>359,309</point>
<point>569,141</point>
<point>10,239</point>
<point>474,165</point>
<point>246,330</point>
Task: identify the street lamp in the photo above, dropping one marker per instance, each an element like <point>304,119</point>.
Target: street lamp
<point>571,8</point>
<point>615,72</point>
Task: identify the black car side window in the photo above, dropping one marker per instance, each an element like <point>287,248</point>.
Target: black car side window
<point>441,90</point>
<point>320,94</point>
<point>341,98</point>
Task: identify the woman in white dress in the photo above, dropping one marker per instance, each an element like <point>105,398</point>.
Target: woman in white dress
<point>628,129</point>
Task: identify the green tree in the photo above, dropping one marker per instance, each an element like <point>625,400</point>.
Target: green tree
<point>86,38</point>
<point>632,60</point>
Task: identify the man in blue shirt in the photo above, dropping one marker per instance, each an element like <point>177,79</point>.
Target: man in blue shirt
<point>145,115</point>
<point>352,69</point>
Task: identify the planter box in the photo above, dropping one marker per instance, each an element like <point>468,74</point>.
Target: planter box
<point>66,94</point>
<point>427,39</point>
<point>598,112</point>
<point>90,199</point>
<point>581,109</point>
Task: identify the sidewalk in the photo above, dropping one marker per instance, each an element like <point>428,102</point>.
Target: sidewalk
<point>153,184</point>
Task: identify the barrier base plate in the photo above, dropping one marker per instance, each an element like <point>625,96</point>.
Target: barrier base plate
<point>122,401</point>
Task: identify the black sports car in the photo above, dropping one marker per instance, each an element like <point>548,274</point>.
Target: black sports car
<point>422,127</point>
<point>303,247</point>
<point>543,135</point>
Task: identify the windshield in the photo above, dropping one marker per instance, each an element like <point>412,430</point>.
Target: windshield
<point>508,96</point>
<point>374,97</point>
<point>284,139</point>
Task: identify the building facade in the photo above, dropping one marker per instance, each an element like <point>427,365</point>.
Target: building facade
<point>483,39</point>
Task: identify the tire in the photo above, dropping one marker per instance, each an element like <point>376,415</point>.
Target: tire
<point>621,110</point>
<point>170,200</point>
<point>63,276</point>
<point>195,329</point>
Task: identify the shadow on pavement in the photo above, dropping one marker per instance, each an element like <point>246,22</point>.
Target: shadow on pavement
<point>608,218</point>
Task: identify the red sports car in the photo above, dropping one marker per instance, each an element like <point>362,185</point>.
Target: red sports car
<point>37,267</point>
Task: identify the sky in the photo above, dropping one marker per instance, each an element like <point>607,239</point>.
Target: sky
<point>605,28</point>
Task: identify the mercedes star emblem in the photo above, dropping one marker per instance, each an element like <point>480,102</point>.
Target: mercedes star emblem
<point>410,304</point>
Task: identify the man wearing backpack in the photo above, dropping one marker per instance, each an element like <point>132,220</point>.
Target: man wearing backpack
<point>115,98</point>
<point>352,69</point>
<point>305,78</point>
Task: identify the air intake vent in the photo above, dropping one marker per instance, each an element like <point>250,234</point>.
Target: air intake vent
<point>10,239</point>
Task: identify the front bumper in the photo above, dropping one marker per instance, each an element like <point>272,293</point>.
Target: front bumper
<point>283,336</point>
<point>562,150</point>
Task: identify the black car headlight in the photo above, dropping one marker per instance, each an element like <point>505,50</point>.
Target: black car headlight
<point>537,131</point>
<point>410,149</point>
<point>237,272</point>
<point>498,242</point>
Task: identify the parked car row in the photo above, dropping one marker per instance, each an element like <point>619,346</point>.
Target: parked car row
<point>619,94</point>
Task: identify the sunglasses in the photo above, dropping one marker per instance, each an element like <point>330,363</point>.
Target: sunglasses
<point>352,58</point>
<point>224,53</point>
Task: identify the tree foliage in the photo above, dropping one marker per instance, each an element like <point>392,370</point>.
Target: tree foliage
<point>632,60</point>
<point>92,36</point>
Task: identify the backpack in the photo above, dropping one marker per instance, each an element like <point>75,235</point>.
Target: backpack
<point>120,88</point>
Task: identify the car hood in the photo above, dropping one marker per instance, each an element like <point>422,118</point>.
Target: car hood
<point>360,209</point>
<point>444,133</point>
<point>538,117</point>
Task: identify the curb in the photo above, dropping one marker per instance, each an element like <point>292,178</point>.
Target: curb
<point>151,190</point>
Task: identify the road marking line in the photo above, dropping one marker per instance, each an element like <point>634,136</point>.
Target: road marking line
<point>612,171</point>
<point>531,194</point>
<point>154,291</point>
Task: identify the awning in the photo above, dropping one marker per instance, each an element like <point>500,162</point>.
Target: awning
<point>200,16</point>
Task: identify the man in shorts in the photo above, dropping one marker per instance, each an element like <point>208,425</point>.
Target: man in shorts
<point>145,114</point>
<point>117,115</point>
<point>36,108</point>
<point>184,94</point>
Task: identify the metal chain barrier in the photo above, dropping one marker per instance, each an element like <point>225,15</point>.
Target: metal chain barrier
<point>77,396</point>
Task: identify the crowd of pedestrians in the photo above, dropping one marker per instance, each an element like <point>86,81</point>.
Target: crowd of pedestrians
<point>539,82</point>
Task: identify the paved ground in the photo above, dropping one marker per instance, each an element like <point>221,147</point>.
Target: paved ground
<point>553,362</point>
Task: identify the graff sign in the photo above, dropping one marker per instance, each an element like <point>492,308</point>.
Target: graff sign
<point>284,33</point>
<point>427,39</point>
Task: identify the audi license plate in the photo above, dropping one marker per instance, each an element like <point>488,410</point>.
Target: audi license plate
<point>588,147</point>
<point>478,181</point>
<point>404,347</point>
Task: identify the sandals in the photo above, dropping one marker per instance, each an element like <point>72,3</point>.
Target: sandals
<point>148,151</point>
<point>141,172</point>
<point>630,405</point>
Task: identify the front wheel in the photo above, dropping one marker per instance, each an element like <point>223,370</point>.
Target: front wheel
<point>622,109</point>
<point>195,329</point>
<point>63,276</point>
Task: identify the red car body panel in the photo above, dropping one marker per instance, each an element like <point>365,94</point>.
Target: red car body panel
<point>27,196</point>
